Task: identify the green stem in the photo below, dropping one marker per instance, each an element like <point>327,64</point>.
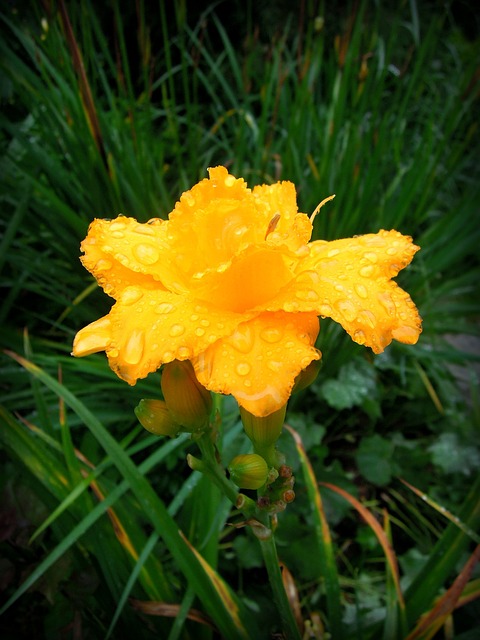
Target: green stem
<point>270,557</point>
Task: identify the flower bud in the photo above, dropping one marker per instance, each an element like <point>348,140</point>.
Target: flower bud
<point>187,400</point>
<point>307,376</point>
<point>263,432</point>
<point>155,417</point>
<point>248,471</point>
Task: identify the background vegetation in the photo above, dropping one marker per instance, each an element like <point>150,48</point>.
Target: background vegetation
<point>119,107</point>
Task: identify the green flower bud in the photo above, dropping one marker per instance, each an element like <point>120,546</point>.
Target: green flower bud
<point>307,376</point>
<point>263,432</point>
<point>248,471</point>
<point>187,400</point>
<point>155,417</point>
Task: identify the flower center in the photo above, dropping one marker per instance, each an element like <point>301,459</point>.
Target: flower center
<point>251,280</point>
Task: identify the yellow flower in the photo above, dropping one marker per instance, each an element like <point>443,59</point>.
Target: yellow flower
<point>231,282</point>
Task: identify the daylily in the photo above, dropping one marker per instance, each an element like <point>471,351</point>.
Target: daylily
<point>231,282</point>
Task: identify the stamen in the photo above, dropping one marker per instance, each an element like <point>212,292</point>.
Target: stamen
<point>272,225</point>
<point>312,217</point>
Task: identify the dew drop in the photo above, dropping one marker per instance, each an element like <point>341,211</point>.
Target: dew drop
<point>168,356</point>
<point>242,339</point>
<point>164,307</point>
<point>247,383</point>
<point>113,353</point>
<point>359,336</point>
<point>271,334</point>
<point>391,251</point>
<point>117,226</point>
<point>371,256</point>
<point>289,344</point>
<point>243,368</point>
<point>325,310</point>
<point>199,332</point>
<point>306,294</point>
<point>229,181</point>
<point>212,338</point>
<point>117,234</point>
<point>188,199</point>
<point>205,323</point>
<point>133,351</point>
<point>333,252</point>
<point>347,309</point>
<point>361,290</point>
<point>367,271</point>
<point>387,303</point>
<point>147,254</point>
<point>144,230</point>
<point>176,330</point>
<point>131,295</point>
<point>274,365</point>
<point>193,317</point>
<point>122,258</point>
<point>339,288</point>
<point>103,265</point>
<point>369,318</point>
<point>183,353</point>
<point>290,307</point>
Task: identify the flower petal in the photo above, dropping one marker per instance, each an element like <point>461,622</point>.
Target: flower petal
<point>150,328</point>
<point>350,281</point>
<point>124,252</point>
<point>95,337</point>
<point>259,362</point>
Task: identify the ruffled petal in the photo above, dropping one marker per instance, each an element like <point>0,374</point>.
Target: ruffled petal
<point>150,328</point>
<point>350,281</point>
<point>124,252</point>
<point>259,362</point>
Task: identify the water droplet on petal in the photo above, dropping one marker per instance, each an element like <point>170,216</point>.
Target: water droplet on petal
<point>144,230</point>
<point>229,181</point>
<point>164,307</point>
<point>199,332</point>
<point>103,265</point>
<point>325,310</point>
<point>391,251</point>
<point>133,350</point>
<point>188,199</point>
<point>347,309</point>
<point>117,226</point>
<point>168,356</point>
<point>113,353</point>
<point>387,303</point>
<point>176,330</point>
<point>243,368</point>
<point>242,339</point>
<point>274,365</point>
<point>117,234</point>
<point>359,336</point>
<point>333,252</point>
<point>247,383</point>
<point>131,295</point>
<point>361,290</point>
<point>306,294</point>
<point>271,334</point>
<point>122,258</point>
<point>205,323</point>
<point>183,353</point>
<point>371,256</point>
<point>147,254</point>
<point>367,271</point>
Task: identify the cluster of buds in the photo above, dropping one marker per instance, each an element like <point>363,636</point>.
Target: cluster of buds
<point>279,493</point>
<point>186,406</point>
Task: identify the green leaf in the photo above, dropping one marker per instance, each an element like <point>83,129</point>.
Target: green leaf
<point>375,459</point>
<point>354,385</point>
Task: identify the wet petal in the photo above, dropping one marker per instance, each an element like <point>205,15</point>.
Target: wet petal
<point>150,328</point>
<point>94,337</point>
<point>124,252</point>
<point>259,362</point>
<point>350,281</point>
